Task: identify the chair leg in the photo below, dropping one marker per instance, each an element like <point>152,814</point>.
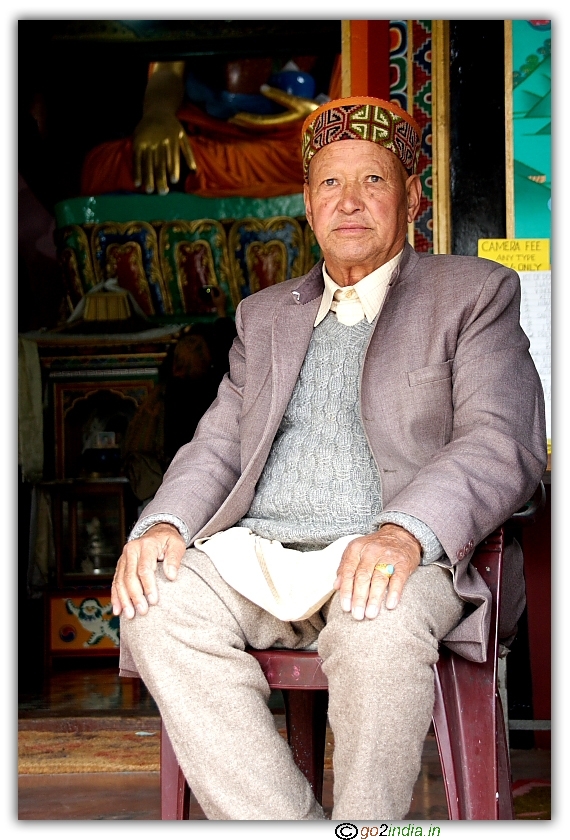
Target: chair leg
<point>442,727</point>
<point>468,725</point>
<point>174,790</point>
<point>505,780</point>
<point>306,717</point>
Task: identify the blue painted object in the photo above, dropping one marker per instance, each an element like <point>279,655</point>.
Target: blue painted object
<point>294,82</point>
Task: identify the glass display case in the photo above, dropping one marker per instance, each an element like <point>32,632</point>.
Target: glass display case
<point>91,519</point>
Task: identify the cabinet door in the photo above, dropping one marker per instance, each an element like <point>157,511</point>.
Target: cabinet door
<point>90,523</point>
<point>82,623</point>
<point>81,409</point>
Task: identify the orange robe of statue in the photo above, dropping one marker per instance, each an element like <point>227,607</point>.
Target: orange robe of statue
<point>231,160</point>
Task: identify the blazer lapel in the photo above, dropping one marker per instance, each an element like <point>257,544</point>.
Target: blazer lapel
<point>291,335</point>
<point>292,329</point>
<point>407,264</point>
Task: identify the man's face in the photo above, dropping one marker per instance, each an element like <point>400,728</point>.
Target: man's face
<point>359,202</point>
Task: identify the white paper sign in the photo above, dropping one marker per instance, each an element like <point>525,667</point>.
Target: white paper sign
<point>535,321</point>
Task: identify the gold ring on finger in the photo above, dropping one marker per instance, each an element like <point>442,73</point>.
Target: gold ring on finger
<point>386,569</point>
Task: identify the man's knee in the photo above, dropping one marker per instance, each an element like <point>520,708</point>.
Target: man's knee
<point>180,604</point>
<point>138,631</point>
<point>403,637</point>
<point>374,646</point>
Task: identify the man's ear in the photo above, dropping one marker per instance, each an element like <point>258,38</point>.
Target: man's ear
<point>414,195</point>
<point>308,210</point>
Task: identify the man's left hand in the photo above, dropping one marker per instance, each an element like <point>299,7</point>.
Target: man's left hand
<point>361,586</point>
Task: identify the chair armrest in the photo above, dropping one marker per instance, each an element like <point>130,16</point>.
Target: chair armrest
<point>528,514</point>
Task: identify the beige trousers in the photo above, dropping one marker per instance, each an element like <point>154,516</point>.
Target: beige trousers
<point>190,652</point>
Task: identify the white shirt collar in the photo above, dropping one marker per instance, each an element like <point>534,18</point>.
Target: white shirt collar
<point>363,300</point>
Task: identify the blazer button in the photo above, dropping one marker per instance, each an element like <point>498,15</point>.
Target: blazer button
<point>461,554</point>
<point>471,544</point>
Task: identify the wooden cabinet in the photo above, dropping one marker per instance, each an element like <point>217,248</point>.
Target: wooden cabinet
<point>93,386</point>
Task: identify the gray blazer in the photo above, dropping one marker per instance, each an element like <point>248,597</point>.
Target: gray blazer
<point>451,404</point>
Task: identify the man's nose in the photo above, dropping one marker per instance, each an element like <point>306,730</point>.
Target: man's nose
<point>351,197</point>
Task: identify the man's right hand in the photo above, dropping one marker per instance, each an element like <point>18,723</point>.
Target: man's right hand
<point>134,585</point>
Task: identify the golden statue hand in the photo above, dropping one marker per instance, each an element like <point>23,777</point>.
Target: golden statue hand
<point>297,108</point>
<point>159,137</point>
<point>157,142</point>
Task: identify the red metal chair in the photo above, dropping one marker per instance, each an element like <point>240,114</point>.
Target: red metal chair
<point>467,716</point>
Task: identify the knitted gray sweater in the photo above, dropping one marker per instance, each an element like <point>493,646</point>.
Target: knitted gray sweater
<point>320,481</point>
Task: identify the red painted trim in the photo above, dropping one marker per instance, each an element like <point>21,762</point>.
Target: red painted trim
<point>370,58</point>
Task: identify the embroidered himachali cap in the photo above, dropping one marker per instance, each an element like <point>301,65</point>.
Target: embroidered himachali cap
<point>362,118</point>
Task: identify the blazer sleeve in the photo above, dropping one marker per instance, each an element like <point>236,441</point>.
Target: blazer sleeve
<point>204,471</point>
<point>496,455</point>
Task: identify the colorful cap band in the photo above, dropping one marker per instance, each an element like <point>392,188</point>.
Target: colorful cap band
<point>362,118</point>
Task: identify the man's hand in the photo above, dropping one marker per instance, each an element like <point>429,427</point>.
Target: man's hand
<point>134,585</point>
<point>361,587</point>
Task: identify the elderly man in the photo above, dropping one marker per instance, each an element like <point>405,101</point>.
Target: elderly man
<point>381,416</point>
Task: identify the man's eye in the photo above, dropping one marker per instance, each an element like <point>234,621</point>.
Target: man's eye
<point>374,179</point>
<point>330,182</point>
